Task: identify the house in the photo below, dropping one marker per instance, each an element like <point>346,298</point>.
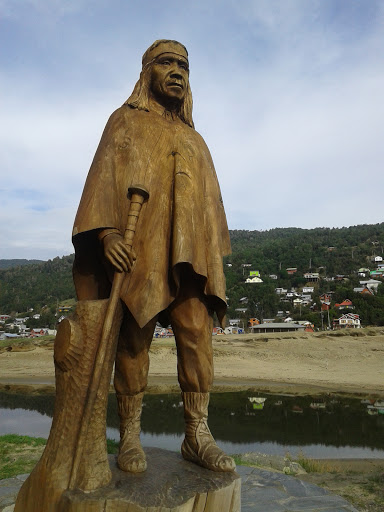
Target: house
<point>234,321</point>
<point>325,298</point>
<point>254,273</point>
<point>380,266</point>
<point>377,273</point>
<point>229,264</point>
<point>308,326</point>
<point>291,270</point>
<point>243,300</point>
<point>281,291</point>
<point>297,302</point>
<point>273,276</point>
<point>253,280</point>
<point>363,290</point>
<point>253,321</point>
<point>346,304</point>
<point>308,289</point>
<point>37,331</point>
<point>3,318</point>
<point>371,284</point>
<point>312,276</point>
<point>64,309</point>
<point>21,321</point>
<point>348,320</point>
<point>377,259</point>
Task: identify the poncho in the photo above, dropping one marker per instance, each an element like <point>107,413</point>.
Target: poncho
<point>183,222</point>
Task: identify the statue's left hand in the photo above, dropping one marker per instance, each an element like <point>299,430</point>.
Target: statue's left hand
<point>118,253</point>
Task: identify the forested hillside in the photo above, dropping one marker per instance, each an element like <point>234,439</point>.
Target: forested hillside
<point>36,285</point>
<point>17,263</point>
<point>327,251</point>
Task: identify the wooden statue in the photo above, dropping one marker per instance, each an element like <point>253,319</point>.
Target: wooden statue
<point>138,260</point>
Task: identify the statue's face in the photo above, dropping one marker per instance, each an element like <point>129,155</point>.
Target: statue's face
<point>169,79</point>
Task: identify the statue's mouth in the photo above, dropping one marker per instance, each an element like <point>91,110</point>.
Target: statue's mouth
<point>175,84</point>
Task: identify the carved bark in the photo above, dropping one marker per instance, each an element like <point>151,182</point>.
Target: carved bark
<point>75,351</point>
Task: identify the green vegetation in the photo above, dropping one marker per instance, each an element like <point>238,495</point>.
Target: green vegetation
<point>328,251</point>
<point>17,263</point>
<point>19,454</point>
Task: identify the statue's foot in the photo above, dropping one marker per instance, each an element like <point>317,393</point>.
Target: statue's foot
<point>132,459</point>
<point>202,450</point>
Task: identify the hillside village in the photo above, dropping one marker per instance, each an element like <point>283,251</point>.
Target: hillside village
<point>277,280</point>
<point>309,298</point>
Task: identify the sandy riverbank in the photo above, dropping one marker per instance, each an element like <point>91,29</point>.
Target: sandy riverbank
<point>281,362</point>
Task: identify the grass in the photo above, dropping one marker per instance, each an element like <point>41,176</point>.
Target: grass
<point>19,454</point>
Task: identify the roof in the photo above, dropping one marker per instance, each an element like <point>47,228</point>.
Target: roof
<point>278,325</point>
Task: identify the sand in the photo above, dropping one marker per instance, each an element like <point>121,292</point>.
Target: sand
<point>304,363</point>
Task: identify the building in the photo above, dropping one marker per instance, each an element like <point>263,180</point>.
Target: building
<point>348,320</point>
<point>277,327</point>
<point>291,270</point>
<point>346,304</point>
<point>371,284</point>
<point>312,276</point>
<point>253,280</point>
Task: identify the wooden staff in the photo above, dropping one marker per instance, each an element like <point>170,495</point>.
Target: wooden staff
<point>138,194</point>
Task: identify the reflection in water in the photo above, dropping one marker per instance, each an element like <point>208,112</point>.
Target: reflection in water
<point>321,427</point>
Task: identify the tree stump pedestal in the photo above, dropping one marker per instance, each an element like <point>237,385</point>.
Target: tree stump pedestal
<point>170,484</point>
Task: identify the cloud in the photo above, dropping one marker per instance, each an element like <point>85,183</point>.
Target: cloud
<point>287,95</point>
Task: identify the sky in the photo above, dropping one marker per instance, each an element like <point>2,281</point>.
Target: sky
<point>287,95</point>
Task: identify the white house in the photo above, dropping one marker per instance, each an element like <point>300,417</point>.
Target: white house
<point>253,280</point>
<point>308,289</point>
<point>350,320</point>
<point>371,284</point>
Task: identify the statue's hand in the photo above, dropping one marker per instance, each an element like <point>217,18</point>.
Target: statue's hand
<point>118,253</point>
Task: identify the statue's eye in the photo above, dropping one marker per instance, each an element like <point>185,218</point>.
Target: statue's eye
<point>165,62</point>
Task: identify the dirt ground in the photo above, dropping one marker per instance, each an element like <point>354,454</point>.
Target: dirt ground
<point>303,363</point>
<point>349,363</point>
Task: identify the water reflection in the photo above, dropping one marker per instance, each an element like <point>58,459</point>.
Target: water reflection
<point>321,427</point>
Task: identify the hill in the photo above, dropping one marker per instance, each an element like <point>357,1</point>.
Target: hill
<point>328,251</point>
<point>4,264</point>
<point>36,285</point>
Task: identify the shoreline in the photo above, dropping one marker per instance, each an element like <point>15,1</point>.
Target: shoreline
<point>169,384</point>
<point>347,364</point>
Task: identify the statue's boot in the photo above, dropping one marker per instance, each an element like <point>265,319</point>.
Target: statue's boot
<point>198,445</point>
<point>131,454</point>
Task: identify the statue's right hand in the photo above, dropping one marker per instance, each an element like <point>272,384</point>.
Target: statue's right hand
<point>118,253</point>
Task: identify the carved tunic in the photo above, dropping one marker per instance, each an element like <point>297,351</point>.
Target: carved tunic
<point>182,222</point>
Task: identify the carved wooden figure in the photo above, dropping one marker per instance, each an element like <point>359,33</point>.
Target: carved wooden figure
<point>138,262</point>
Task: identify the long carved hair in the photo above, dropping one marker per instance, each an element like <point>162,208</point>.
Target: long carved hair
<point>140,96</point>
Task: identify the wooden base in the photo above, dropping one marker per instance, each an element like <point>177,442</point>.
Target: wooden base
<point>170,484</point>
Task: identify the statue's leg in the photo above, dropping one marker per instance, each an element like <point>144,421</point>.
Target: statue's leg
<point>131,372</point>
<point>192,324</point>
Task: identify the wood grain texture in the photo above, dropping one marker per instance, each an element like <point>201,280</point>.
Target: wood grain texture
<point>74,367</point>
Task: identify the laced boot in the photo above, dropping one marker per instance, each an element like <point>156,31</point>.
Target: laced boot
<point>131,455</point>
<point>198,445</point>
